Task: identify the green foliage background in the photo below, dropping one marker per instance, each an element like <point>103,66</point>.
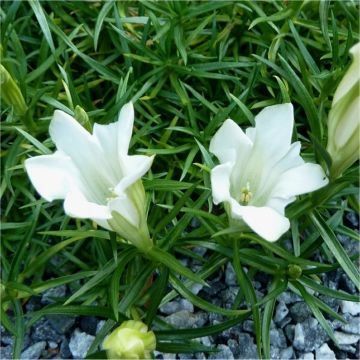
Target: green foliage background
<point>187,66</point>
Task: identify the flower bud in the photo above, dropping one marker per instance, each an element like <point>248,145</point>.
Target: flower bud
<point>344,119</point>
<point>82,117</point>
<point>131,340</point>
<point>10,92</point>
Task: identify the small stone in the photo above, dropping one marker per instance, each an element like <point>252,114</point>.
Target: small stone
<point>99,326</point>
<point>52,344</point>
<point>307,356</point>
<point>248,326</point>
<point>352,327</point>
<point>288,297</point>
<point>200,356</point>
<point>215,287</point>
<point>196,288</point>
<point>325,353</point>
<point>43,331</point>
<point>300,312</point>
<point>353,219</point>
<point>277,338</point>
<point>181,319</point>
<point>89,324</point>
<point>223,352</point>
<point>34,351</point>
<point>234,347</point>
<point>53,295</point>
<point>247,348</point>
<point>80,343</point>
<point>205,340</point>
<point>281,312</point>
<point>287,354</point>
<point>33,304</point>
<point>185,356</point>
<point>348,348</point>
<point>309,335</point>
<point>229,295</point>
<point>64,352</point>
<point>332,302</point>
<point>198,250</point>
<point>175,306</point>
<point>195,223</point>
<point>284,322</point>
<point>230,276</point>
<point>5,352</point>
<point>350,307</point>
<point>290,332</point>
<point>346,339</point>
<point>169,356</point>
<point>61,323</point>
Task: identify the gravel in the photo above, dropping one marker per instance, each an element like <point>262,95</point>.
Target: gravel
<point>79,344</point>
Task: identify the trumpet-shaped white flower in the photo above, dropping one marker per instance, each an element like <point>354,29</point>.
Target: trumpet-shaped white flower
<point>95,176</point>
<point>261,172</point>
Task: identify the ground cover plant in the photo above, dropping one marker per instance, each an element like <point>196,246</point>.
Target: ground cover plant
<point>186,67</point>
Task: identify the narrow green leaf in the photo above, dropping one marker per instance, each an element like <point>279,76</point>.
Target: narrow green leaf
<point>100,19</point>
<point>335,247</point>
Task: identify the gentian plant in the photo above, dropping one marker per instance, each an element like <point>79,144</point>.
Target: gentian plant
<point>174,169</point>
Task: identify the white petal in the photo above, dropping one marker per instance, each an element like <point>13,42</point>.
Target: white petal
<point>300,180</point>
<point>135,167</point>
<point>76,205</point>
<point>274,126</point>
<point>125,207</point>
<point>107,137</point>
<point>220,182</point>
<point>85,152</point>
<point>229,141</point>
<point>52,175</point>
<point>126,123</point>
<point>265,221</point>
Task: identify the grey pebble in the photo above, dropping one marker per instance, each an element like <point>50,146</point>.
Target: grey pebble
<point>61,323</point>
<point>34,351</point>
<point>307,356</point>
<point>346,339</point>
<point>53,295</point>
<point>290,332</point>
<point>348,348</point>
<point>5,352</point>
<point>277,338</point>
<point>274,353</point>
<point>64,352</point>
<point>289,297</point>
<point>52,344</point>
<point>184,319</point>
<point>230,276</point>
<point>281,312</point>
<point>175,306</point>
<point>247,348</point>
<point>80,343</point>
<point>224,352</point>
<point>300,312</point>
<point>325,353</point>
<point>287,354</point>
<point>43,331</point>
<point>309,335</point>
<point>350,307</point>
<point>352,327</point>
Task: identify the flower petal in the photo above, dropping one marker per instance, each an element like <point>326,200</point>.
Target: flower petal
<point>228,141</point>
<point>85,152</point>
<point>220,182</point>
<point>52,175</point>
<point>76,205</point>
<point>265,221</point>
<point>125,207</point>
<point>300,180</point>
<point>135,167</point>
<point>126,123</point>
<point>274,126</point>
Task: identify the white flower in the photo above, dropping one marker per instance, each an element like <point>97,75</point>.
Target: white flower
<point>261,172</point>
<point>95,176</point>
<point>344,119</point>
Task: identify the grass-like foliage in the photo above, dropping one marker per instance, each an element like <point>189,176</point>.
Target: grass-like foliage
<point>186,66</point>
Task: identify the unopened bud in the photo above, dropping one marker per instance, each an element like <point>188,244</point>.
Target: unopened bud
<point>131,340</point>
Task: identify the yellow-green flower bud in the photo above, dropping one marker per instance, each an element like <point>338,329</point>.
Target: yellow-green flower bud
<point>82,117</point>
<point>131,340</point>
<point>10,92</point>
<point>344,119</point>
